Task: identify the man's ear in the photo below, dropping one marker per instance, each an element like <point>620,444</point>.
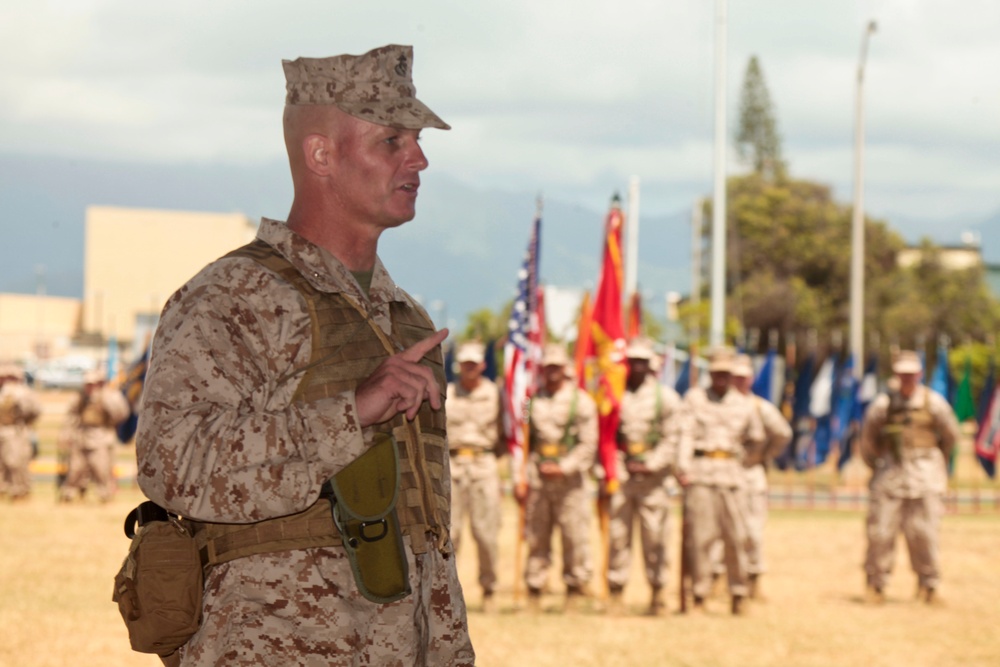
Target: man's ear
<point>317,153</point>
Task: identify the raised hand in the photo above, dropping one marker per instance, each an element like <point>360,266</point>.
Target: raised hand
<point>400,384</point>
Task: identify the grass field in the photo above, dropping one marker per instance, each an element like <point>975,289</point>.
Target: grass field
<point>57,563</point>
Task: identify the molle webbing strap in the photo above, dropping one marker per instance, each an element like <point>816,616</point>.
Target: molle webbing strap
<point>347,347</point>
<point>220,543</point>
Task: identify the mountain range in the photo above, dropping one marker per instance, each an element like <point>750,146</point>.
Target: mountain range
<point>461,253</point>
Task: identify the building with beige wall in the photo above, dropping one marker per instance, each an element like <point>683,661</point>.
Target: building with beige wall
<point>34,326</point>
<point>134,259</point>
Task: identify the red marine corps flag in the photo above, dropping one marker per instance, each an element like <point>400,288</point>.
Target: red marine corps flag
<point>607,345</point>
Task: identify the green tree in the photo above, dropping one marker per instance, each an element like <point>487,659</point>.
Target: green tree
<point>758,143</point>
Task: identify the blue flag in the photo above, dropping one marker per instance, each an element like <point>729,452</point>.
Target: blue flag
<point>449,363</point>
<point>490,372</point>
<point>684,379</point>
<point>797,452</point>
<point>132,386</point>
<point>763,382</point>
<point>821,409</point>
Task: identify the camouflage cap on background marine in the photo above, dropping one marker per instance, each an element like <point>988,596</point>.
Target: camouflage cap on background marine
<point>742,366</point>
<point>376,87</point>
<point>555,354</point>
<point>640,348</point>
<point>473,351</point>
<point>721,360</point>
<point>907,361</point>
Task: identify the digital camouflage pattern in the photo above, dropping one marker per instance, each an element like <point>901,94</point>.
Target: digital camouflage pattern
<point>562,502</point>
<point>221,440</point>
<point>474,439</point>
<point>644,498</point>
<point>777,432</point>
<point>907,486</point>
<point>90,438</point>
<point>717,434</point>
<point>19,409</point>
<point>376,86</point>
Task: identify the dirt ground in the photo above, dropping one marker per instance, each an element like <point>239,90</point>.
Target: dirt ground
<point>57,564</point>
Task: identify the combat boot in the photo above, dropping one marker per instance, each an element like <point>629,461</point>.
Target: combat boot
<point>754,585</point>
<point>929,596</point>
<point>738,606</point>
<point>574,599</point>
<point>657,605</point>
<point>534,600</point>
<point>874,595</point>
<point>616,601</point>
<point>489,603</point>
<point>698,606</point>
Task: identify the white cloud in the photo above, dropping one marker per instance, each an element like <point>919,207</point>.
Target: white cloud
<point>542,95</point>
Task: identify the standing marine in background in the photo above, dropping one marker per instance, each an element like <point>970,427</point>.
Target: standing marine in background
<point>474,443</point>
<point>19,409</point>
<point>777,432</point>
<point>562,444</point>
<point>90,438</point>
<point>907,436</point>
<point>719,430</point>
<point>647,442</point>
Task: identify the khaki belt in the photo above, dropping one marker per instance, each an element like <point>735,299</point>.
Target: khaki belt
<point>714,454</point>
<point>467,452</point>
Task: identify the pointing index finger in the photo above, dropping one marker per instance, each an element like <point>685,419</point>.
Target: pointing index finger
<point>416,352</point>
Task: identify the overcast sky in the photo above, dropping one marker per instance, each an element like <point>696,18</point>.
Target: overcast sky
<point>567,98</point>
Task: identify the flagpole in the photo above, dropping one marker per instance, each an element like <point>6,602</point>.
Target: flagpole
<point>717,332</point>
<point>632,244</point>
<point>858,218</point>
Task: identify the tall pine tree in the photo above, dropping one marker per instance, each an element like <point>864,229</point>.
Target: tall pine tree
<point>758,143</point>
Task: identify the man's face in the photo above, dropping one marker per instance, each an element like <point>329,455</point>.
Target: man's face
<point>470,371</point>
<point>720,381</point>
<point>742,383</point>
<point>554,374</point>
<point>638,369</point>
<point>376,172</point>
<point>908,383</point>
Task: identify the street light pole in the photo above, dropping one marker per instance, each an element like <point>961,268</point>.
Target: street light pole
<point>858,219</point>
<point>717,328</point>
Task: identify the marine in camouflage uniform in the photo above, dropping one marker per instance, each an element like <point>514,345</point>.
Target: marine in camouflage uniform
<point>907,436</point>
<point>562,449</point>
<point>279,365</point>
<point>90,437</point>
<point>19,409</point>
<point>719,431</point>
<point>474,443</point>
<point>647,438</point>
<point>778,432</point>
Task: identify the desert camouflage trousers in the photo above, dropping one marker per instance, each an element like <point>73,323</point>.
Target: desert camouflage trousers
<point>475,494</point>
<point>563,503</point>
<point>919,519</point>
<point>711,514</point>
<point>89,466</point>
<point>15,459</point>
<point>643,499</point>
<point>302,607</point>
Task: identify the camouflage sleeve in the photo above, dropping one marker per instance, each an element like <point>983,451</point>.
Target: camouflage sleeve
<point>685,435</point>
<point>664,455</point>
<point>777,428</point>
<point>871,424</point>
<point>115,404</point>
<point>582,457</point>
<point>219,438</point>
<point>947,423</point>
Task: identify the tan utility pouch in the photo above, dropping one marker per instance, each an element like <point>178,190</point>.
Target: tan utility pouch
<point>159,586</point>
<point>364,510</point>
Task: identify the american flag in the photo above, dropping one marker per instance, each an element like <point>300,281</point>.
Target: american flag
<point>522,352</point>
